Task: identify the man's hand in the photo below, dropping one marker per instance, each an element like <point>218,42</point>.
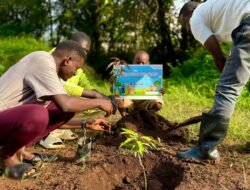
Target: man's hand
<point>123,111</point>
<point>163,91</point>
<point>107,106</point>
<point>98,125</point>
<point>114,102</point>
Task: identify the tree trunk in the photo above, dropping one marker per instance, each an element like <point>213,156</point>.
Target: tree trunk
<point>166,45</point>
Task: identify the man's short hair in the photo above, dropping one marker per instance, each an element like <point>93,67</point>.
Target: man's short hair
<point>141,52</point>
<point>80,36</point>
<point>71,46</point>
<point>188,8</point>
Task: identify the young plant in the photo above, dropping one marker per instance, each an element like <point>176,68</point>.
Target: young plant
<point>117,68</point>
<point>138,146</point>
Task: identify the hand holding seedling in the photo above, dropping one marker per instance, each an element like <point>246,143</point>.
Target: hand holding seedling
<point>114,102</point>
<point>107,106</point>
<point>98,125</point>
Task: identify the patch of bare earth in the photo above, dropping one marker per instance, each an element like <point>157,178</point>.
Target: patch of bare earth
<point>109,168</point>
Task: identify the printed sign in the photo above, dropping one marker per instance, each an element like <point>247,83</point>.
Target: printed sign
<point>138,82</point>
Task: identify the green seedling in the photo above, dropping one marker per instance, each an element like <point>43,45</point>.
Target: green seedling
<point>117,69</point>
<point>138,146</point>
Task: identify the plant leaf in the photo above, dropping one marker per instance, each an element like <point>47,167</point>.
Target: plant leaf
<point>140,147</point>
<point>149,139</point>
<point>109,65</point>
<point>126,142</point>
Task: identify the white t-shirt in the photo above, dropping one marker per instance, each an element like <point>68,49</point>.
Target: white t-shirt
<point>33,77</point>
<point>218,18</point>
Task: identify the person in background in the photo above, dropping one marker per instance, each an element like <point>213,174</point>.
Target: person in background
<point>34,103</point>
<point>213,22</point>
<point>143,58</point>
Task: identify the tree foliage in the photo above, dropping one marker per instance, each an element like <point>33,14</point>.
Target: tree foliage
<point>116,27</point>
<point>23,17</point>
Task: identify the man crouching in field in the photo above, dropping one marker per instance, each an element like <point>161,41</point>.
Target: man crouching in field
<point>33,103</point>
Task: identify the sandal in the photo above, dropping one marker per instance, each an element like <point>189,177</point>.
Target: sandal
<point>52,142</point>
<point>68,135</point>
<point>64,134</point>
<point>19,171</point>
<point>38,158</point>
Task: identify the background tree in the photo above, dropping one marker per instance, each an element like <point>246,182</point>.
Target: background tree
<point>116,27</point>
<point>23,17</point>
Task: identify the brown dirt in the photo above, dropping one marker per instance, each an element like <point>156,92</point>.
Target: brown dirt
<point>110,168</point>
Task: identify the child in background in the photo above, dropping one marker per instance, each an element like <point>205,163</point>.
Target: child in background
<point>142,58</point>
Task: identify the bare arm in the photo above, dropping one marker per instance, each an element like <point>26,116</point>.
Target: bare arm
<point>75,104</point>
<point>93,94</point>
<point>212,45</point>
<point>98,124</point>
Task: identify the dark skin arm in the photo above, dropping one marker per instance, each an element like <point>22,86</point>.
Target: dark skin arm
<point>93,94</point>
<point>212,45</point>
<point>75,104</point>
<point>99,124</point>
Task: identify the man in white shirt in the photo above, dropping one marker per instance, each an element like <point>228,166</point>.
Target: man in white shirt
<point>212,22</point>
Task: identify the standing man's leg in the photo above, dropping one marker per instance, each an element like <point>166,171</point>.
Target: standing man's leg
<point>236,72</point>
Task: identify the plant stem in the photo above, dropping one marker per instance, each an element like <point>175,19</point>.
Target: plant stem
<point>144,172</point>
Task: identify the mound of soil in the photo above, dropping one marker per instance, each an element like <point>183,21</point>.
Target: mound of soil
<point>152,124</point>
<point>110,168</point>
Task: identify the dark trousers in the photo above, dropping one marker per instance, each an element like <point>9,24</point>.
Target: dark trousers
<point>24,125</point>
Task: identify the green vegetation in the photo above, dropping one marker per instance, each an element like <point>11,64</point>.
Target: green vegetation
<point>190,91</point>
<point>116,27</point>
<point>14,48</point>
<point>138,146</point>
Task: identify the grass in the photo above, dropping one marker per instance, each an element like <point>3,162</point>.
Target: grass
<point>189,90</point>
<point>181,103</point>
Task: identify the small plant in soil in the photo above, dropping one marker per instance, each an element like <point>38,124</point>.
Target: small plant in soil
<point>138,146</point>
